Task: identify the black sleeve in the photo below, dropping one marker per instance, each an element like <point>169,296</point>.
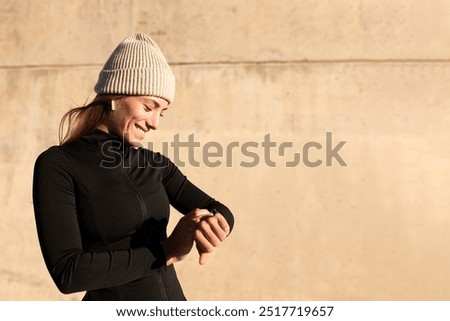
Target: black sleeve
<point>185,196</point>
<point>71,268</point>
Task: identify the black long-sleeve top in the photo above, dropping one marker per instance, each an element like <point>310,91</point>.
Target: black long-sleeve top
<point>102,208</point>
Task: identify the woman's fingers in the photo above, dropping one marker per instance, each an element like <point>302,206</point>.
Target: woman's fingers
<point>206,236</point>
<point>220,226</point>
<point>204,247</point>
<point>181,240</point>
<point>210,232</point>
<point>203,256</point>
<point>215,224</point>
<point>198,215</point>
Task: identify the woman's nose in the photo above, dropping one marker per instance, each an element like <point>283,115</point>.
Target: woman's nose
<point>153,121</point>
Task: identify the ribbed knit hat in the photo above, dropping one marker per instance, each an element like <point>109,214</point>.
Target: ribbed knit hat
<point>137,67</point>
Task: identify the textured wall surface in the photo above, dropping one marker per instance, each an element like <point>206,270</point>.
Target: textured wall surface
<point>375,74</point>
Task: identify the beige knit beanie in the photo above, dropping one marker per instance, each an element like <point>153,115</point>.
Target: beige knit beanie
<point>137,67</point>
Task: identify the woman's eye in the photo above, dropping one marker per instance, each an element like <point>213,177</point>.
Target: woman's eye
<point>147,108</point>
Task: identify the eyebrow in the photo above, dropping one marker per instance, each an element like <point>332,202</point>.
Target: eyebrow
<point>154,102</point>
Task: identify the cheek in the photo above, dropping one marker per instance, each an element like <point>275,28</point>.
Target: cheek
<point>119,123</point>
<point>126,117</point>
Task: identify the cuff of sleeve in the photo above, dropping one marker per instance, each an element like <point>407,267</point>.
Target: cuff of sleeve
<point>158,252</point>
<point>222,209</point>
<point>154,232</point>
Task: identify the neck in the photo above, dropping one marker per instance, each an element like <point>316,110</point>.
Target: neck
<point>103,127</point>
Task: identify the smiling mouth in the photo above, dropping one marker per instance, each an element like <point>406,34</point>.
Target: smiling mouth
<point>141,130</point>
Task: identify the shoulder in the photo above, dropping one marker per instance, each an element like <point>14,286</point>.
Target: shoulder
<point>161,163</point>
<point>52,172</point>
<point>155,159</point>
<point>52,153</point>
<point>53,157</point>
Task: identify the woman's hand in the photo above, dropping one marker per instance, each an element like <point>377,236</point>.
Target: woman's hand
<point>211,231</point>
<point>180,242</point>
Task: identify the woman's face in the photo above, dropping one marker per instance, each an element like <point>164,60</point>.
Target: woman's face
<point>134,116</point>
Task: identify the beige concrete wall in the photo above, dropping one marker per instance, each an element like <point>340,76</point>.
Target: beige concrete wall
<point>374,73</point>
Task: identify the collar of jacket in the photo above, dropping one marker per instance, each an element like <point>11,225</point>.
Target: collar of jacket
<point>102,140</point>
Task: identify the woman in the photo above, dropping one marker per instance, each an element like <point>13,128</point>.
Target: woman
<point>102,203</point>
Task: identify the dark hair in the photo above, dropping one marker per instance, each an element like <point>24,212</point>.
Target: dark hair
<point>85,119</point>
